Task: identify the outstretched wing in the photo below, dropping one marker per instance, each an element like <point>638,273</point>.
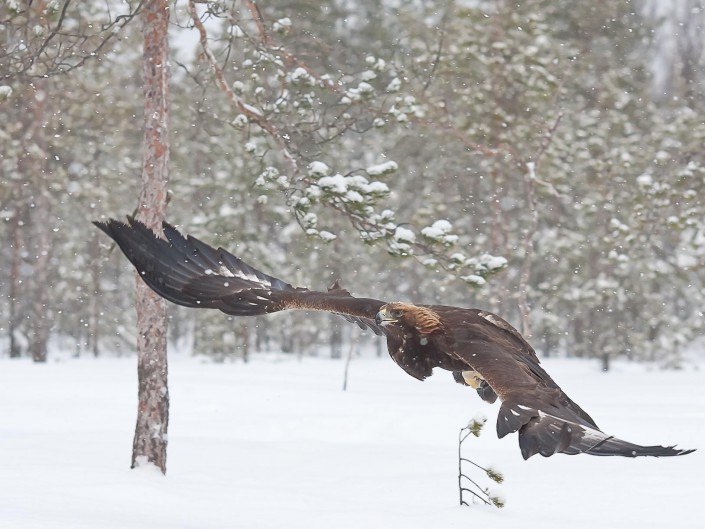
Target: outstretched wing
<point>533,405</point>
<point>188,272</point>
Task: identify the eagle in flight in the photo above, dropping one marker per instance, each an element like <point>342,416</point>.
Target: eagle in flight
<point>479,348</point>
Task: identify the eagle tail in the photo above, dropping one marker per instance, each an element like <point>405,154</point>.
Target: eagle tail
<point>546,434</point>
<point>549,435</point>
<point>188,272</point>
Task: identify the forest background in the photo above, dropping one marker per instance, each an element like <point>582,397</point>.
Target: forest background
<point>542,159</point>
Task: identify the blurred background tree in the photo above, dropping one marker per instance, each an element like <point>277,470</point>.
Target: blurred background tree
<point>565,138</point>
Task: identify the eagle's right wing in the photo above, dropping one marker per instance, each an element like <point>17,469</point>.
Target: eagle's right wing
<point>533,405</point>
<point>188,272</point>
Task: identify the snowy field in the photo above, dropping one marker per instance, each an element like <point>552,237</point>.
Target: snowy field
<point>277,444</point>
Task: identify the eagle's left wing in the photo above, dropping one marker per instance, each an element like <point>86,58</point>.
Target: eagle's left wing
<point>188,272</point>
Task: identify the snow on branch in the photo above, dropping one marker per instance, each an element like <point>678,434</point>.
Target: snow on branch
<point>309,116</point>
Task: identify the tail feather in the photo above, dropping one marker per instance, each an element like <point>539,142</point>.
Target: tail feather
<point>548,435</point>
<point>188,272</point>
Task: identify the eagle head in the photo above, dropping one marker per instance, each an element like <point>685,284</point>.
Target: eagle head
<point>422,319</point>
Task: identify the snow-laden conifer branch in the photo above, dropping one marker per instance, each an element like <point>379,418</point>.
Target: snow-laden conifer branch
<point>249,111</point>
<point>305,113</point>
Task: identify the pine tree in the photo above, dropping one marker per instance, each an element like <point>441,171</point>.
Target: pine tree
<point>153,409</point>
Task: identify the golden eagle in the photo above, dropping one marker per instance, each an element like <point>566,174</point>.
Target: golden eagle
<point>481,349</point>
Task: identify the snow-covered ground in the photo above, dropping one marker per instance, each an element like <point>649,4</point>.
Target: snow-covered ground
<point>276,443</point>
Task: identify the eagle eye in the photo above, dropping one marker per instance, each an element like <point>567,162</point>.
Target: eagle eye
<point>396,313</point>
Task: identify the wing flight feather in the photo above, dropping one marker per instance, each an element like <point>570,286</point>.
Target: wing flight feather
<point>188,272</point>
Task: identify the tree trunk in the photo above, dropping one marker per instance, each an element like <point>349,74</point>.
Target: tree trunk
<point>150,440</point>
<point>40,278</point>
<point>94,307</point>
<point>243,332</point>
<point>16,256</point>
<point>34,167</point>
<point>336,337</point>
<point>528,245</point>
<point>605,362</point>
<point>261,335</point>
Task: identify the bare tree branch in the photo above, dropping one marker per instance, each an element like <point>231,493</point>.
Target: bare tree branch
<point>252,114</point>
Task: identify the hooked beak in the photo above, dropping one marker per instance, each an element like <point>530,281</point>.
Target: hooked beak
<point>382,318</point>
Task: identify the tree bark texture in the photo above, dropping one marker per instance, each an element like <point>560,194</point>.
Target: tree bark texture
<point>150,440</point>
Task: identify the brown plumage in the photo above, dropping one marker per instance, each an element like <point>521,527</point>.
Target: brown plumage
<point>480,348</point>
